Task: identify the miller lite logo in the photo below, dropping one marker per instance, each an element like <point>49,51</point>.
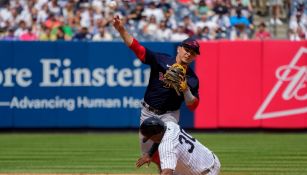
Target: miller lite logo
<point>291,85</point>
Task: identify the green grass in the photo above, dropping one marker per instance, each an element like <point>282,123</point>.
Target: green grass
<point>256,153</point>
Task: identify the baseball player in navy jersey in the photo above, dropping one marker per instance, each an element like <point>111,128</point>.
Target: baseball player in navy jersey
<point>179,152</point>
<point>160,101</point>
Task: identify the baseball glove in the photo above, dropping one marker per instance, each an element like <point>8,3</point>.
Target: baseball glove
<point>175,77</point>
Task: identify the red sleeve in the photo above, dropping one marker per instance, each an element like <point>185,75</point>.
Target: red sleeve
<point>193,105</point>
<point>138,49</point>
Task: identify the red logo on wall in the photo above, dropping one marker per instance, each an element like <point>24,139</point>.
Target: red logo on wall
<point>291,85</point>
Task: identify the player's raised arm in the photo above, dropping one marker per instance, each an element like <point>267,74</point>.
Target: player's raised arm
<point>131,42</point>
<point>119,26</point>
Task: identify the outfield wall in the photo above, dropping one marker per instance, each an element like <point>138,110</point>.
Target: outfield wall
<point>250,84</point>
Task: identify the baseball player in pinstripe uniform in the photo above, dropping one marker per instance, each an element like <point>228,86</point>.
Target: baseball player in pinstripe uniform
<point>160,101</point>
<point>179,152</point>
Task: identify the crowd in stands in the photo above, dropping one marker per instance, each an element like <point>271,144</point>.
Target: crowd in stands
<point>149,20</point>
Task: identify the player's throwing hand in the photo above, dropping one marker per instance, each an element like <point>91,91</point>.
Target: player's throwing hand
<point>117,23</point>
<point>142,160</point>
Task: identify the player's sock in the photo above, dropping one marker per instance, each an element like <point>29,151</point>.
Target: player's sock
<point>156,159</point>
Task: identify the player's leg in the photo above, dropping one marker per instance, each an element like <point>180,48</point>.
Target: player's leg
<point>216,168</point>
<point>156,159</point>
<point>145,147</point>
<point>170,116</point>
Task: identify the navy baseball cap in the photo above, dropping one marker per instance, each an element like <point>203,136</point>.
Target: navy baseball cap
<point>191,44</point>
<point>150,127</point>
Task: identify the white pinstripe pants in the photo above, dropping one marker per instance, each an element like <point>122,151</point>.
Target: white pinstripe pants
<point>168,116</point>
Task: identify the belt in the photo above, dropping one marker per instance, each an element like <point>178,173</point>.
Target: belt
<point>151,109</point>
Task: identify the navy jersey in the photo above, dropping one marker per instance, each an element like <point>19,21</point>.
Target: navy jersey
<point>157,95</point>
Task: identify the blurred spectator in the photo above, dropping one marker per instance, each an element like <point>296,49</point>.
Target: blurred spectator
<point>85,18</point>
<point>97,5</point>
<point>42,14</point>
<point>73,24</point>
<point>169,17</point>
<point>206,22</point>
<point>103,35</point>
<point>298,27</point>
<point>245,7</point>
<point>178,34</point>
<point>82,35</point>
<point>9,36</point>
<point>164,5</point>
<point>52,22</point>
<point>60,34</point>
<point>239,19</point>
<point>184,8</point>
<point>25,14</point>
<point>68,11</point>
<point>184,1</point>
<point>40,3</point>
<point>151,27</point>
<point>54,8</point>
<point>201,9</point>
<point>45,34</point>
<point>221,20</point>
<point>220,8</point>
<point>298,5</point>
<point>240,26</point>
<point>5,15</point>
<point>206,34</point>
<point>63,32</point>
<point>125,8</point>
<point>203,34</point>
<point>163,33</point>
<point>189,26</point>
<point>153,10</point>
<point>276,12</point>
<point>68,31</point>
<point>240,33</point>
<point>142,22</point>
<point>262,32</point>
<point>22,28</point>
<point>136,13</point>
<point>29,35</point>
<point>221,33</point>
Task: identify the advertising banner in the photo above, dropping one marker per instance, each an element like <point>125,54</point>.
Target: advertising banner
<point>253,84</point>
<point>73,84</point>
<point>6,51</point>
<point>284,87</point>
<point>239,83</point>
<point>206,68</point>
